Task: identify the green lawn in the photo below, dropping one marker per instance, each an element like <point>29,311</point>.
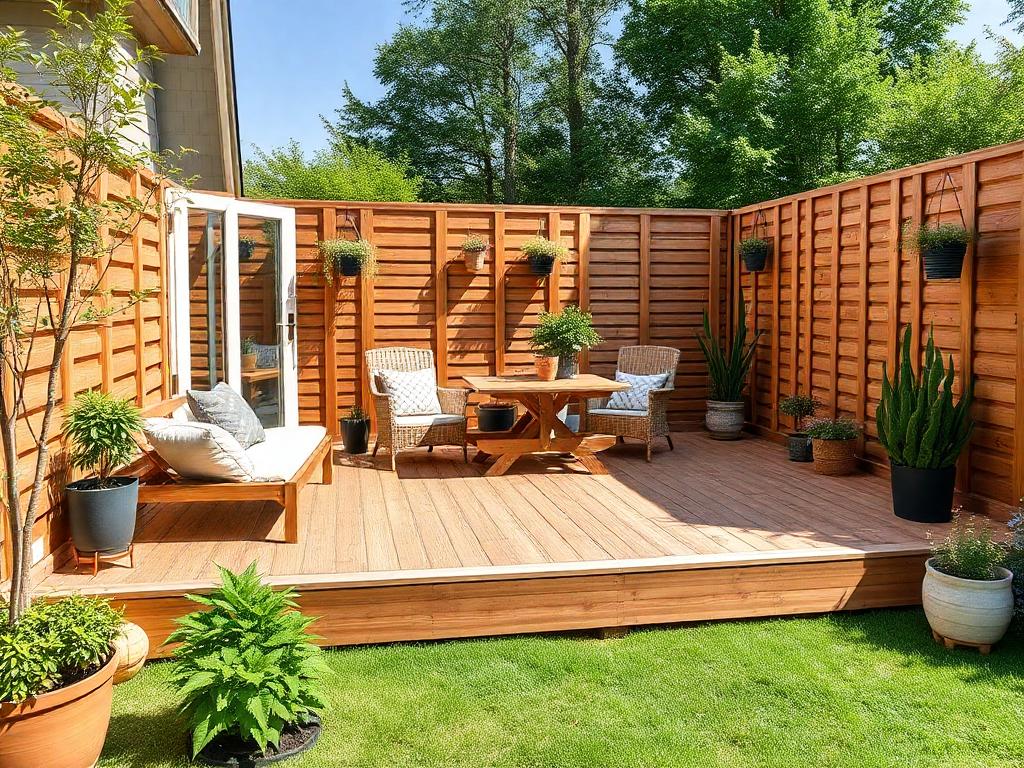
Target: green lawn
<point>845,690</point>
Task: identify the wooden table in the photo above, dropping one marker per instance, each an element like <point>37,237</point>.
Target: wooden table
<point>539,430</point>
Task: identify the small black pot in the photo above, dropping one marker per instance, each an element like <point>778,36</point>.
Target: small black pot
<point>923,495</point>
<point>221,753</point>
<point>355,435</point>
<point>495,417</point>
<point>799,446</point>
<point>541,264</point>
<point>245,250</point>
<point>348,266</point>
<point>944,261</point>
<point>755,256</point>
<point>103,519</point>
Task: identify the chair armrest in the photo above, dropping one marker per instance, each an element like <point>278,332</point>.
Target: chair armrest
<point>586,405</point>
<point>453,400</point>
<point>657,400</point>
<point>382,406</point>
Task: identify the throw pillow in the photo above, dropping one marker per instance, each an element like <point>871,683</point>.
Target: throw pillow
<point>636,397</point>
<point>412,392</point>
<point>199,451</point>
<point>226,408</point>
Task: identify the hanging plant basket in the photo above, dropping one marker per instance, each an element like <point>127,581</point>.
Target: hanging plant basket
<point>347,266</point>
<point>474,260</point>
<point>542,254</point>
<point>755,254</point>
<point>541,264</point>
<point>944,261</point>
<point>943,246</point>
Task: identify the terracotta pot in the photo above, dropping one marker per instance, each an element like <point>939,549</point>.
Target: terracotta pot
<point>967,611</point>
<point>547,366</point>
<point>132,645</point>
<point>249,362</point>
<point>65,728</point>
<point>835,457</point>
<point>724,420</point>
<point>474,260</point>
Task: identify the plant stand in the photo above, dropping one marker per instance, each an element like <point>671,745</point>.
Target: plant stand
<point>949,643</point>
<point>96,557</point>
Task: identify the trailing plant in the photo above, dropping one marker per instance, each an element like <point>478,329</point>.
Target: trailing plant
<point>540,247</point>
<point>929,236</point>
<point>918,423</point>
<point>799,407</point>
<point>248,345</point>
<point>100,428</point>
<point>474,243</point>
<point>969,551</point>
<point>728,368</point>
<point>564,333</point>
<point>833,429</point>
<point>356,414</point>
<point>54,645</point>
<point>245,667</point>
<point>362,251</point>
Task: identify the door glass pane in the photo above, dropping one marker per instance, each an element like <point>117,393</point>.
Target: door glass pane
<point>259,266</point>
<point>206,297</point>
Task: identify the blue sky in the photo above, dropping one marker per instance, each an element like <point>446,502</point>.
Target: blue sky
<point>291,59</point>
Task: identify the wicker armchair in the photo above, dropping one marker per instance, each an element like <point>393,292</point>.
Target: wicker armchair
<point>638,425</point>
<point>399,433</point>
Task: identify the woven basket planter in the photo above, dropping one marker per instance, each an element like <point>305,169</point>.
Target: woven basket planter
<point>474,260</point>
<point>835,457</point>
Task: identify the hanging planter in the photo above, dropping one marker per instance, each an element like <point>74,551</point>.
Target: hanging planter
<point>474,250</point>
<point>246,245</point>
<point>942,246</point>
<point>754,250</point>
<point>348,258</point>
<point>542,255</point>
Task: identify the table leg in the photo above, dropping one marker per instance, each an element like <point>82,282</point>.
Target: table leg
<point>502,464</point>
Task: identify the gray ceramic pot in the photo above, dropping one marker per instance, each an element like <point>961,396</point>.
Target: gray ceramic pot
<point>724,420</point>
<point>103,519</point>
<point>568,366</point>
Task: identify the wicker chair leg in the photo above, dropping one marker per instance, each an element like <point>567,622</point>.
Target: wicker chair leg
<point>376,447</point>
<point>465,453</point>
<point>648,450</point>
<point>671,445</point>
<point>620,439</point>
<point>430,449</point>
<point>394,460</point>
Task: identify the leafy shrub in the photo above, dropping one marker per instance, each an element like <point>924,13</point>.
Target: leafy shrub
<point>753,245</point>
<point>541,246</point>
<point>799,406</point>
<point>930,236</point>
<point>54,645</point>
<point>833,429</point>
<point>564,333</point>
<point>969,551</point>
<point>246,667</point>
<point>100,428</point>
<point>363,251</point>
<point>474,243</point>
<point>728,370</point>
<point>918,425</point>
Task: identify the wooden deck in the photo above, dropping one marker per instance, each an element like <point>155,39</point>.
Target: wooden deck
<point>711,530</point>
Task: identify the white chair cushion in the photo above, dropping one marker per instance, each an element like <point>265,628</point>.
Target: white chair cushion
<point>412,392</point>
<point>616,412</point>
<point>640,386</point>
<point>284,451</point>
<point>199,451</point>
<point>428,420</point>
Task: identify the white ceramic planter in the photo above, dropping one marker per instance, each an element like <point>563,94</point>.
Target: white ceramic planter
<point>965,610</point>
<point>724,420</point>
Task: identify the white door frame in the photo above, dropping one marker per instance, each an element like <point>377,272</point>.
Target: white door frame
<point>178,203</point>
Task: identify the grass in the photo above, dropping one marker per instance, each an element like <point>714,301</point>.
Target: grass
<point>858,690</point>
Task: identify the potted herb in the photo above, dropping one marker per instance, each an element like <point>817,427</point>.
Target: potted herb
<point>923,431</point>
<point>563,335</point>
<point>727,375</point>
<point>355,431</point>
<point>249,355</point>
<point>495,416</point>
<point>56,682</point>
<point>474,249</point>
<point>101,509</point>
<point>542,254</point>
<point>754,252</point>
<point>246,245</point>
<point>348,258</point>
<point>834,445</point>
<point>942,248</point>
<point>247,673</point>
<point>799,407</point>
<point>967,593</point>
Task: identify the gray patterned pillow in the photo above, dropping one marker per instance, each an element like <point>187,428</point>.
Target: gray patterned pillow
<point>636,397</point>
<point>226,408</point>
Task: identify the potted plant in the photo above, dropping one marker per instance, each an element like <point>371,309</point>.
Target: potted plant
<point>967,593</point>
<point>249,356</point>
<point>101,509</point>
<point>942,248</point>
<point>754,252</point>
<point>56,682</point>
<point>923,431</point>
<point>799,407</point>
<point>495,416</point>
<point>542,254</point>
<point>355,431</point>
<point>1015,562</point>
<point>834,445</point>
<point>348,258</point>
<point>727,375</point>
<point>474,249</point>
<point>247,673</point>
<point>246,245</point>
<point>563,335</point>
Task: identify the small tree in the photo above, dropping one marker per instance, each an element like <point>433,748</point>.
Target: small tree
<point>56,232</point>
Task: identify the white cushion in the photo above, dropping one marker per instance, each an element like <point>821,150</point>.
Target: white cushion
<point>199,451</point>
<point>428,419</point>
<point>616,412</point>
<point>640,386</point>
<point>284,451</point>
<point>183,413</point>
<point>412,392</point>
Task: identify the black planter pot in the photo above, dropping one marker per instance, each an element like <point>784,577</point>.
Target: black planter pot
<point>755,256</point>
<point>347,266</point>
<point>227,753</point>
<point>944,261</point>
<point>355,435</point>
<point>245,250</point>
<point>103,519</point>
<point>799,446</point>
<point>923,495</point>
<point>495,417</point>
<point>568,366</point>
<point>541,264</point>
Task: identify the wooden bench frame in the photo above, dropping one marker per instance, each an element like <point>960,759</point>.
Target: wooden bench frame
<point>171,488</point>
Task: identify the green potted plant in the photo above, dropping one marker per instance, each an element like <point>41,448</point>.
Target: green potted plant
<point>1015,561</point>
<point>246,246</point>
<point>727,375</point>
<point>249,356</point>
<point>754,252</point>
<point>102,509</point>
<point>942,248</point>
<point>348,258</point>
<point>495,416</point>
<point>834,445</point>
<point>563,335</point>
<point>247,673</point>
<point>542,254</point>
<point>57,668</point>
<point>799,407</point>
<point>474,249</point>
<point>967,593</point>
<point>355,431</point>
<point>923,431</point>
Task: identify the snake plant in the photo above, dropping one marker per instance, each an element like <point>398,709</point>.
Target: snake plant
<point>728,369</point>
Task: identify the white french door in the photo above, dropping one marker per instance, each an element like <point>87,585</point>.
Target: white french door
<point>232,287</point>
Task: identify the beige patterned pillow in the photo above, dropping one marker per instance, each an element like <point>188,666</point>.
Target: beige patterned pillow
<point>412,392</point>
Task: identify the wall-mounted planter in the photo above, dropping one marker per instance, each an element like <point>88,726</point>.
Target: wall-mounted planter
<point>474,260</point>
<point>541,265</point>
<point>945,261</point>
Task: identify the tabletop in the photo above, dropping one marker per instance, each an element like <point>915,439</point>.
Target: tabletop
<point>585,383</point>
